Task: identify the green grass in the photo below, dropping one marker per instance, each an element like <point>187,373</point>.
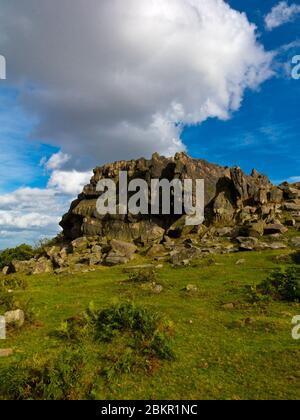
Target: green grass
<point>218,355</point>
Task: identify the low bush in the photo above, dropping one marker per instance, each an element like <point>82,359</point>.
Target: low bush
<point>281,285</point>
<point>132,336</point>
<point>296,257</point>
<point>20,253</point>
<point>11,282</point>
<point>7,300</point>
<point>75,328</point>
<point>147,329</point>
<point>143,276</point>
<point>54,379</point>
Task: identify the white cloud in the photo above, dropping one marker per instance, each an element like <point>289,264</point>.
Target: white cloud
<point>56,161</point>
<point>115,87</point>
<point>293,179</point>
<point>28,214</point>
<point>280,14</point>
<point>67,182</point>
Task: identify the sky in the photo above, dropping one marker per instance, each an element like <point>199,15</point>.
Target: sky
<point>90,82</point>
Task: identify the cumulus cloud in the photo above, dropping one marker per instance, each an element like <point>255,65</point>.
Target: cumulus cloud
<point>115,79</point>
<point>69,182</point>
<point>280,14</point>
<point>28,214</point>
<point>56,161</point>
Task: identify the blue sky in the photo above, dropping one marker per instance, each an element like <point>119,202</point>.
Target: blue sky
<point>265,132</point>
<point>54,130</point>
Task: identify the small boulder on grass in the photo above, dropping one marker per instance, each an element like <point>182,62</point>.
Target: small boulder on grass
<point>191,288</point>
<point>295,242</point>
<point>5,270</point>
<point>6,352</point>
<point>16,317</point>
<point>228,306</point>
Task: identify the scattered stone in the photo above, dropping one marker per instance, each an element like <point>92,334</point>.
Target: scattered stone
<point>116,260</point>
<point>121,252</point>
<point>191,288</point>
<point>282,258</point>
<point>286,314</point>
<point>247,244</point>
<point>249,321</point>
<point>157,250</point>
<point>41,266</point>
<point>290,222</point>
<point>22,267</point>
<point>123,249</point>
<point>80,244</point>
<point>228,306</point>
<point>6,352</point>
<point>277,245</point>
<point>275,228</point>
<point>261,246</point>
<point>52,251</point>
<point>256,229</point>
<point>226,231</point>
<point>157,289</point>
<point>183,256</point>
<point>292,207</point>
<point>5,270</point>
<point>295,242</point>
<point>289,192</point>
<point>16,317</point>
<point>138,267</point>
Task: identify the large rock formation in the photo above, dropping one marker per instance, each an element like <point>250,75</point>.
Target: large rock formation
<point>231,198</point>
<point>242,213</point>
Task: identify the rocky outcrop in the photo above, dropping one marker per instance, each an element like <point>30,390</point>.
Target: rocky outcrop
<point>231,198</point>
<point>242,213</point>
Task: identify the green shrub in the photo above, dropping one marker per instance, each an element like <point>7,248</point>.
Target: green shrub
<point>281,284</point>
<point>146,327</point>
<point>143,276</point>
<point>75,328</point>
<point>131,336</point>
<point>20,253</point>
<point>7,300</point>
<point>11,282</point>
<point>125,317</point>
<point>53,379</point>
<point>296,257</point>
<point>255,295</point>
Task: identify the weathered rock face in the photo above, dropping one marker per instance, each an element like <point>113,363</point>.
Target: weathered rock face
<point>231,198</point>
<point>242,213</point>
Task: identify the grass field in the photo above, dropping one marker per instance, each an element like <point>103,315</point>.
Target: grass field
<point>222,352</point>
